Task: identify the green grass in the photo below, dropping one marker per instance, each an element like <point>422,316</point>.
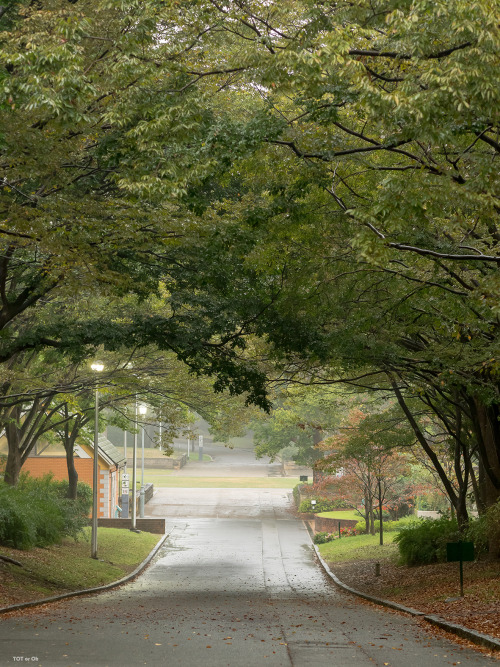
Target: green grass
<point>340,514</point>
<point>360,547</point>
<point>68,566</point>
<point>164,479</point>
<point>194,456</point>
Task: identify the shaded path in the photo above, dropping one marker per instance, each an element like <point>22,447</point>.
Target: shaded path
<point>226,591</point>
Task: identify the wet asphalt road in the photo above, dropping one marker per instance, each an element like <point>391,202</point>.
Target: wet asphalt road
<point>237,589</point>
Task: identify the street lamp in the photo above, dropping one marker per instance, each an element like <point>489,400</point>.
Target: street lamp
<point>98,368</point>
<point>134,473</point>
<point>142,411</point>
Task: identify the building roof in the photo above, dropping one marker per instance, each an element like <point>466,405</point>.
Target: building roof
<point>108,451</point>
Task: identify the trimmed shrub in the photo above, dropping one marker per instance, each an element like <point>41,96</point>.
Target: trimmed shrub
<point>389,526</point>
<point>37,513</point>
<point>424,540</point>
<point>323,505</point>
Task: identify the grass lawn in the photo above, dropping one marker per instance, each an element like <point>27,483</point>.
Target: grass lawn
<point>68,566</point>
<point>342,514</point>
<point>164,479</point>
<point>359,547</point>
<point>194,456</point>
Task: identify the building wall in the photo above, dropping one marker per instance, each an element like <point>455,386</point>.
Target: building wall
<point>38,466</point>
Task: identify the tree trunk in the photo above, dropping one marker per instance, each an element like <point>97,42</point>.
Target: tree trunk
<point>367,515</point>
<point>72,472</point>
<point>14,460</point>
<point>380,513</point>
<point>487,428</point>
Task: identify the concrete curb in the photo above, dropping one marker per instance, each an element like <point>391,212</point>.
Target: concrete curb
<point>88,591</point>
<point>460,630</point>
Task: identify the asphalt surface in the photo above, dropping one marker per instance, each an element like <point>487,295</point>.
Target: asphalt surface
<point>240,588</point>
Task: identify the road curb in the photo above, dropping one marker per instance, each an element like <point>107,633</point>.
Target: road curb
<point>460,630</point>
<point>87,591</point>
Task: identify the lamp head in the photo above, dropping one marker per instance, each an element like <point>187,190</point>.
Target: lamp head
<point>142,409</point>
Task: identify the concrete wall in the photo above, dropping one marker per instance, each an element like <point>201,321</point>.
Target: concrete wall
<point>162,462</point>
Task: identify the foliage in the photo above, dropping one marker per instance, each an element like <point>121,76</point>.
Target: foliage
<point>485,530</point>
<point>296,494</point>
<point>300,418</point>
<point>424,541</point>
<point>37,512</point>
<point>389,526</point>
<point>322,505</point>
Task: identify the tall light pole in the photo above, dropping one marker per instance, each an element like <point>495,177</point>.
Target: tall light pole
<point>134,473</point>
<point>97,367</point>
<point>160,425</point>
<point>142,410</point>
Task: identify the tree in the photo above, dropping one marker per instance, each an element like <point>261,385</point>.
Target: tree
<point>369,455</point>
<point>300,419</point>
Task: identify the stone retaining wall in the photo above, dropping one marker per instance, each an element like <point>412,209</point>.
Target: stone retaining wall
<point>162,462</point>
<point>156,526</point>
<point>322,523</point>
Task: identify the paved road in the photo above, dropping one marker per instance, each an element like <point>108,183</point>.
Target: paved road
<point>228,462</point>
<point>235,592</point>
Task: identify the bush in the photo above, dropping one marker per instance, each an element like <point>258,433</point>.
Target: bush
<point>484,529</point>
<point>323,505</point>
<point>296,494</point>
<point>37,513</point>
<point>322,537</point>
<point>424,541</point>
<point>389,526</point>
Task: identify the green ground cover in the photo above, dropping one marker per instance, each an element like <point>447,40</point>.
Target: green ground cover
<point>342,514</point>
<point>359,547</point>
<point>68,566</point>
<point>194,456</point>
<point>165,479</point>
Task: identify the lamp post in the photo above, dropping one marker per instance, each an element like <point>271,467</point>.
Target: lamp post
<point>134,472</point>
<point>160,427</point>
<point>97,367</point>
<point>142,411</point>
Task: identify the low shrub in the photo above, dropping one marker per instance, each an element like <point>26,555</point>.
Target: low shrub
<point>322,537</point>
<point>389,526</point>
<point>37,512</point>
<point>323,505</point>
<point>424,540</point>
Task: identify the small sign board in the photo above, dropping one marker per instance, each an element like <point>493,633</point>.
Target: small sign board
<point>459,551</point>
<point>303,478</point>
<point>125,476</point>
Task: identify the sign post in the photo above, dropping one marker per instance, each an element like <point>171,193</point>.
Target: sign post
<point>460,551</point>
<point>125,492</point>
<point>200,448</point>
